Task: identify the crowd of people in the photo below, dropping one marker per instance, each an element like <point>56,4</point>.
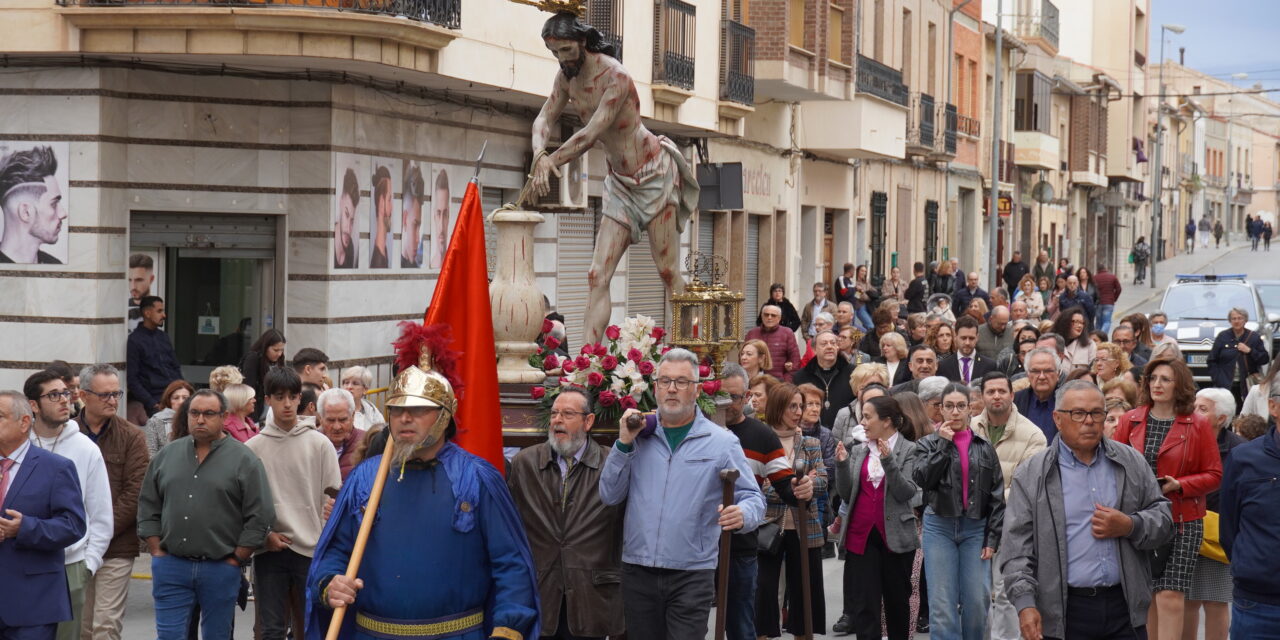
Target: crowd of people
<point>983,464</point>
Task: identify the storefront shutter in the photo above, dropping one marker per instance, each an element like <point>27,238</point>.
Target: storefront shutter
<point>646,294</point>
<point>574,248</point>
<point>751,305</point>
<point>706,232</point>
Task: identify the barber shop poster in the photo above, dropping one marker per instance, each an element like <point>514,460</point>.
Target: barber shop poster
<point>34,188</point>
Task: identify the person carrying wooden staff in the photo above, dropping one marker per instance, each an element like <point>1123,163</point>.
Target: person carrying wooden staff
<point>445,555</point>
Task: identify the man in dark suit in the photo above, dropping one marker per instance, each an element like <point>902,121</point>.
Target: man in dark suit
<point>43,513</point>
<point>923,362</point>
<point>917,290</point>
<point>965,365</point>
<point>963,296</point>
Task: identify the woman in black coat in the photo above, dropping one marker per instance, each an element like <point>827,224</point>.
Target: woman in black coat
<point>1237,353</point>
<point>778,298</point>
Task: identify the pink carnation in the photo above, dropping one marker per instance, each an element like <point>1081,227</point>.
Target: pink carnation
<point>645,368</point>
<point>595,379</point>
<point>609,363</point>
<point>551,362</point>
<point>607,398</point>
<point>538,392</point>
<point>612,332</point>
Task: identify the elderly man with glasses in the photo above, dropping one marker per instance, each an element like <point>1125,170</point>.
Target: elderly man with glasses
<point>1037,402</point>
<point>205,507</point>
<point>1083,517</point>
<point>124,447</point>
<point>670,538</point>
<point>576,539</point>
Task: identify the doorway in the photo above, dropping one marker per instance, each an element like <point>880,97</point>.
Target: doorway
<point>218,276</point>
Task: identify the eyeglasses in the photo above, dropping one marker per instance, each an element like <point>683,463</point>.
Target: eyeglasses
<point>960,406</point>
<point>1040,372</point>
<point>556,413</point>
<point>679,383</point>
<point>1078,415</point>
<point>416,412</point>
<point>736,397</point>
<point>54,396</point>
<point>1122,342</point>
<point>207,415</point>
<point>107,396</point>
<point>795,407</point>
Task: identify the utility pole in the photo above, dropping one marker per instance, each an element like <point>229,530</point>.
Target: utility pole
<point>993,219</point>
<point>1157,200</point>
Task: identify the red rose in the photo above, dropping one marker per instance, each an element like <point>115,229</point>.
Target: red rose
<point>551,343</point>
<point>568,367</point>
<point>635,355</point>
<point>704,371</point>
<point>583,362</point>
<point>607,398</point>
<point>609,363</point>
<point>665,349</point>
<point>551,362</point>
<point>588,349</point>
<point>595,379</point>
<point>710,387</point>
<point>645,368</point>
<point>657,333</point>
<point>538,392</point>
<point>612,332</point>
<point>546,325</point>
<point>629,402</point>
<point>602,350</point>
<point>539,351</point>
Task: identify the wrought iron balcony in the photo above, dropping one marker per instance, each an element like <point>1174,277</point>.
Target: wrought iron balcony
<point>737,62</point>
<point>1048,27</point>
<point>674,36</point>
<point>445,13</point>
<point>606,17</point>
<point>968,126</point>
<point>921,118</point>
<point>881,81</point>
<point>950,118</point>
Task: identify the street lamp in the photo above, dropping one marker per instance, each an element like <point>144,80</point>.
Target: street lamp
<point>1157,210</point>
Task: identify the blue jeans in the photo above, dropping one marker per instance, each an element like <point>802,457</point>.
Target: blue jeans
<point>740,609</point>
<point>1104,318</point>
<point>178,584</point>
<point>1254,620</point>
<point>863,317</point>
<point>959,579</point>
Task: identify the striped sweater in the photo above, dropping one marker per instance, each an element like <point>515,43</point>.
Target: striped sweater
<point>769,463</point>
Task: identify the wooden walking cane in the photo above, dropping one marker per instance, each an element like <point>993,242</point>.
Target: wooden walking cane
<point>802,532</point>
<point>366,525</point>
<point>727,479</point>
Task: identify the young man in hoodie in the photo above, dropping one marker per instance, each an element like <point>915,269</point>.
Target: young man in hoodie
<point>301,468</point>
<point>51,405</point>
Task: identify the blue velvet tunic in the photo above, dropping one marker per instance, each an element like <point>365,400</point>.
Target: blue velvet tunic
<point>446,540</point>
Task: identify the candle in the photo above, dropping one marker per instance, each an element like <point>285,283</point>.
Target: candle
<point>695,326</point>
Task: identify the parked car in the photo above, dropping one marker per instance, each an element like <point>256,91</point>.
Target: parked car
<point>1197,306</point>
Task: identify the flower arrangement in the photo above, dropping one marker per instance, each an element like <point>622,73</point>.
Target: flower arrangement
<point>618,372</point>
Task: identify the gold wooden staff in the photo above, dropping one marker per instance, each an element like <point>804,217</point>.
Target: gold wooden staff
<point>366,525</point>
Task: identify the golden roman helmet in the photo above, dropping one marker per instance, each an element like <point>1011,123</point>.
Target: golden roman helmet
<point>426,377</point>
<point>422,386</point>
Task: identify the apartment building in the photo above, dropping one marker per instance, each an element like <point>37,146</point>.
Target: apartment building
<point>219,137</point>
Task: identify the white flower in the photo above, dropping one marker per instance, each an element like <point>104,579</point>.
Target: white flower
<point>627,369</point>
<point>638,389</point>
<point>618,385</point>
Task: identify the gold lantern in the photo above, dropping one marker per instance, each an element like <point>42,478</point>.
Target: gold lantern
<point>707,317</point>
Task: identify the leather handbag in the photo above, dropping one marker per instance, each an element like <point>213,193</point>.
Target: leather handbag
<point>769,538</point>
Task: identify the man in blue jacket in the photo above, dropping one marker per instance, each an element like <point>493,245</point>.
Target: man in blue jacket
<point>669,475</point>
<point>1250,529</point>
<point>43,513</point>
<point>152,362</point>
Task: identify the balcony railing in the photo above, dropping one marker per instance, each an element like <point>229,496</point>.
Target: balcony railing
<point>445,13</point>
<point>969,126</point>
<point>673,40</point>
<point>949,119</point>
<point>880,81</point>
<point>737,62</point>
<point>921,119</point>
<point>1049,22</point>
<point>1008,169</point>
<point>606,17</point>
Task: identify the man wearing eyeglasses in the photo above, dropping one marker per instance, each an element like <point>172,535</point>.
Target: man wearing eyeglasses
<point>1123,335</point>
<point>576,539</point>
<point>1096,501</point>
<point>205,506</point>
<point>50,402</point>
<point>302,469</point>
<point>669,476</point>
<point>124,448</point>
<point>1037,401</point>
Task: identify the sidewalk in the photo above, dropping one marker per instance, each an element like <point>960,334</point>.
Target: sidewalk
<point>1136,295</point>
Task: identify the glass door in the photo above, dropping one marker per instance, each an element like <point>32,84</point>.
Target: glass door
<point>217,307</point>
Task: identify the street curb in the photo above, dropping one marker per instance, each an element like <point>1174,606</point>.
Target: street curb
<point>1160,292</point>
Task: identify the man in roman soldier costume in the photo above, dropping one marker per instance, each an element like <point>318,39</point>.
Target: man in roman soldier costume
<point>446,556</point>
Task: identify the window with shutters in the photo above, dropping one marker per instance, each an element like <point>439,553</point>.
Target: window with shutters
<point>606,17</point>
<point>1032,98</point>
<point>879,231</point>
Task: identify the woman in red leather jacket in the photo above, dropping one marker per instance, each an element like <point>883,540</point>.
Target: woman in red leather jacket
<point>1183,453</point>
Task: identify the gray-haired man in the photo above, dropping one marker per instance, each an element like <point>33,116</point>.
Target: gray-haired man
<point>670,537</point>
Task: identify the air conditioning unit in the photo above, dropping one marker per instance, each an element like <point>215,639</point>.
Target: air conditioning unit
<point>569,191</point>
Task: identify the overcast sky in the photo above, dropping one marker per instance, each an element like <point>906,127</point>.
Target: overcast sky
<point>1223,37</point>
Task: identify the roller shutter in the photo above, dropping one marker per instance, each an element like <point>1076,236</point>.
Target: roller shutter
<point>646,294</point>
<point>574,248</point>
<point>751,305</point>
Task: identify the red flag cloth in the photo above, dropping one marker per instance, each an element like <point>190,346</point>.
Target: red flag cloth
<point>461,300</point>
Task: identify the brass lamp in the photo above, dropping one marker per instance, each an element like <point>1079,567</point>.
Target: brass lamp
<point>707,317</point>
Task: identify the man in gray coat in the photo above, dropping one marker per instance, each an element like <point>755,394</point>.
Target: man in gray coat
<point>1096,501</point>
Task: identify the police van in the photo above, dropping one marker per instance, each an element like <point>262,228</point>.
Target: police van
<point>1197,306</point>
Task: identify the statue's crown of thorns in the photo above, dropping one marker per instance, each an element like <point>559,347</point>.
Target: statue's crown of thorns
<point>576,7</point>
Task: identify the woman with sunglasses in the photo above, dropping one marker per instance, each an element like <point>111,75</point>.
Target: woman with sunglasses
<point>959,473</point>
